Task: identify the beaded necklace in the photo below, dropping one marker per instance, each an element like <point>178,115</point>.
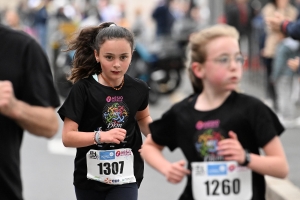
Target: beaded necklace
<point>115,88</point>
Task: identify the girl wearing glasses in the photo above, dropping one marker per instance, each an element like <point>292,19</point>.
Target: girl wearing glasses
<point>219,130</point>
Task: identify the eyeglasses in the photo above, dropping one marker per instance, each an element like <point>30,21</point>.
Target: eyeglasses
<point>226,60</point>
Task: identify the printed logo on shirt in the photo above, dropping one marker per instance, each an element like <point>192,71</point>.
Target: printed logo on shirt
<point>115,114</point>
<point>114,99</point>
<point>206,143</point>
<point>207,124</point>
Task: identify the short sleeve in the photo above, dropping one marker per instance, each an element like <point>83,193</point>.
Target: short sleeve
<point>265,122</point>
<point>38,79</point>
<point>73,106</point>
<point>163,130</point>
<point>145,93</point>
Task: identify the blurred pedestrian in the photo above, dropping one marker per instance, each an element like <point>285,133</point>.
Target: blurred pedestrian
<point>272,40</point>
<point>108,11</point>
<point>282,78</point>
<point>104,115</point>
<point>216,123</point>
<point>163,18</point>
<point>40,23</point>
<point>12,19</point>
<point>27,102</point>
<point>240,14</point>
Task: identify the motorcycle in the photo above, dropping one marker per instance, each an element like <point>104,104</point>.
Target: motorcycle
<point>160,66</point>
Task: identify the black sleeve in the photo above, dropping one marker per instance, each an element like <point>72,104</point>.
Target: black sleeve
<point>145,93</point>
<point>73,107</point>
<point>293,29</point>
<point>265,122</point>
<point>163,130</point>
<point>38,79</point>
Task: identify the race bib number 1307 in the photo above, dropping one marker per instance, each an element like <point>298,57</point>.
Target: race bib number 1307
<point>221,181</point>
<point>113,167</point>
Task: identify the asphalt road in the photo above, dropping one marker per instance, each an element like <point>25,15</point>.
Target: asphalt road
<point>47,167</point>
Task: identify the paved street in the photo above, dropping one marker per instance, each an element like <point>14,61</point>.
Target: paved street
<point>47,167</point>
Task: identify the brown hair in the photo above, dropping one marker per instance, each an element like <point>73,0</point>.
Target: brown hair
<point>196,51</point>
<point>90,39</point>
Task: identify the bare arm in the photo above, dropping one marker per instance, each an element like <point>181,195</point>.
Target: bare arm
<point>144,119</point>
<point>38,120</point>
<point>73,138</point>
<point>274,163</point>
<point>152,153</point>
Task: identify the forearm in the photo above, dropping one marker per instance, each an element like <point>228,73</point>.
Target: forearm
<point>154,157</point>
<point>144,125</point>
<point>291,29</point>
<point>78,139</point>
<point>269,165</point>
<point>40,121</point>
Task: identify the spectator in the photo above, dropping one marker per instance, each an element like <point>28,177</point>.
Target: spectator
<point>40,23</point>
<point>272,39</point>
<point>27,102</point>
<point>239,14</point>
<point>163,18</point>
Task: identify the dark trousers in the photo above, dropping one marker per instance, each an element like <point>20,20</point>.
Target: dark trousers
<point>271,92</point>
<point>120,192</point>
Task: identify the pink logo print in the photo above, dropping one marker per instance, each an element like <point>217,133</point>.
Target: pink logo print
<point>108,99</point>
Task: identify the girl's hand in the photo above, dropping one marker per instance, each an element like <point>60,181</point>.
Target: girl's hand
<point>176,171</point>
<point>293,63</point>
<point>116,135</point>
<point>231,149</point>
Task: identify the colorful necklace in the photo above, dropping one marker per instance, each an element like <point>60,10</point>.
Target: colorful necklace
<point>115,88</point>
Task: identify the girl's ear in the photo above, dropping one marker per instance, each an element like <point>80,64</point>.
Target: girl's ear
<point>96,55</point>
<point>197,69</point>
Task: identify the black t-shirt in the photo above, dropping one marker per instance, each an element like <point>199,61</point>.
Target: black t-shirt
<point>23,62</point>
<point>182,126</point>
<point>92,105</point>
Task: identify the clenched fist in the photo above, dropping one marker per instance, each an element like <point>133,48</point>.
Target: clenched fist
<point>7,98</point>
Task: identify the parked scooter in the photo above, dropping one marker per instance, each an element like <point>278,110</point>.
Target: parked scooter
<point>160,66</point>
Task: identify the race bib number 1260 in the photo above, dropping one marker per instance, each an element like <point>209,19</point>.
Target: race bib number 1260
<point>221,181</point>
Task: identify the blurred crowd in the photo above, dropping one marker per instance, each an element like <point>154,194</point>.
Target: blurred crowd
<point>53,21</point>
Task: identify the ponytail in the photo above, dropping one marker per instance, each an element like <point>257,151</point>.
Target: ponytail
<point>84,63</point>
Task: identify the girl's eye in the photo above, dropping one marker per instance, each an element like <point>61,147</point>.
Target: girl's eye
<point>123,57</point>
<point>108,57</point>
<point>223,60</point>
<point>239,59</point>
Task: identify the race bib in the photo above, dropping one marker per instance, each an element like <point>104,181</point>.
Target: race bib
<point>221,181</point>
<point>114,167</point>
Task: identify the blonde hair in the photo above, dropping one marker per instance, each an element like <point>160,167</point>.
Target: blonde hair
<point>196,51</point>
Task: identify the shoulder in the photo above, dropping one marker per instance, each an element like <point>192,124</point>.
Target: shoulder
<point>16,35</point>
<point>139,84</point>
<point>17,40</point>
<point>184,104</point>
<point>247,101</point>
<point>83,83</point>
